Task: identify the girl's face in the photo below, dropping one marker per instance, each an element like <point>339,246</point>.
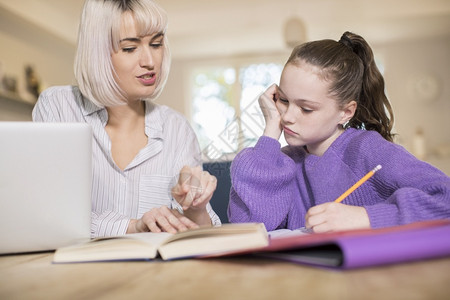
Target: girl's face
<point>309,115</point>
<point>137,63</point>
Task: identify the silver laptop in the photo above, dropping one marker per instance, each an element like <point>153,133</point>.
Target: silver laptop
<point>45,185</point>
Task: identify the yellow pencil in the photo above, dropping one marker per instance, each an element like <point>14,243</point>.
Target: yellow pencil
<point>356,185</point>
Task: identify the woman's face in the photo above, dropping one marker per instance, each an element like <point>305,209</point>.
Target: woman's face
<point>137,63</point>
<point>309,116</point>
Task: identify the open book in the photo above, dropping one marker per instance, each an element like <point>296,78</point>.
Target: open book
<point>362,248</point>
<point>204,241</point>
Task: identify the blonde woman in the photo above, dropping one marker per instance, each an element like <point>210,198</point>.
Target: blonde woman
<point>147,172</point>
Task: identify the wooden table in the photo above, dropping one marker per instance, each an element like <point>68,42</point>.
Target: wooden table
<point>33,276</point>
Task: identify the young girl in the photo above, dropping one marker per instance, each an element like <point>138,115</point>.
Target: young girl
<point>331,106</point>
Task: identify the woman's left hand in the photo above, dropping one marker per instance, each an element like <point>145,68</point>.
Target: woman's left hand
<point>336,216</point>
<point>193,191</point>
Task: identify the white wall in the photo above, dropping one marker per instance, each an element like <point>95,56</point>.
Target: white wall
<point>417,75</point>
<point>23,44</point>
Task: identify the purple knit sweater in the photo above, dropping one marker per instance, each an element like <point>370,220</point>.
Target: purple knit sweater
<point>277,187</point>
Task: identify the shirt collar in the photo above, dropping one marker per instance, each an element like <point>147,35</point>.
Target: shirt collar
<point>153,121</point>
<point>88,107</point>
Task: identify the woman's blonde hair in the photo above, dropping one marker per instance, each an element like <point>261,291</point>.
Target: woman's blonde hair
<point>98,38</point>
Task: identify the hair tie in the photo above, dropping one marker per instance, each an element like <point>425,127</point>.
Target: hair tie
<point>346,41</point>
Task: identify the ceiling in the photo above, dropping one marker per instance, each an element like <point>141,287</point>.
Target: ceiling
<point>199,28</point>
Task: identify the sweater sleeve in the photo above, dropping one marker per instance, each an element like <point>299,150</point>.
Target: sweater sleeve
<point>421,193</point>
<point>263,185</point>
<point>413,190</point>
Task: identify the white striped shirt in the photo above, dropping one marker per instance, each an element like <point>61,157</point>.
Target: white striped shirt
<point>118,196</point>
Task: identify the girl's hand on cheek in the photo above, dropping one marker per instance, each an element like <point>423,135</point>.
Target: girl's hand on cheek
<point>335,217</point>
<point>271,115</point>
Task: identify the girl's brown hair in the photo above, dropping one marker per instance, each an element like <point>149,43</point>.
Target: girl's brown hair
<point>350,67</point>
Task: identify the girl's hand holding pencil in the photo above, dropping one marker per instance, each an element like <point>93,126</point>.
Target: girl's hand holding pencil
<point>334,216</point>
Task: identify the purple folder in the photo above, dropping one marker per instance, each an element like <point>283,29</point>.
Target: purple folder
<point>357,249</point>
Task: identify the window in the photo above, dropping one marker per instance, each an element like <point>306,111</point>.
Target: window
<point>225,112</point>
<point>212,108</point>
<point>254,80</point>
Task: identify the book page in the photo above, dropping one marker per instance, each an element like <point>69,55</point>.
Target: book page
<point>223,230</point>
<point>154,238</point>
<point>125,247</point>
<point>288,232</point>
<point>213,245</point>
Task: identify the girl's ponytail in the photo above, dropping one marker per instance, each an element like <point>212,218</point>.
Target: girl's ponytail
<point>372,105</point>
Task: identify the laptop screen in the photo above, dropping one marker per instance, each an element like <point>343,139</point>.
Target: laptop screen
<point>45,185</point>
